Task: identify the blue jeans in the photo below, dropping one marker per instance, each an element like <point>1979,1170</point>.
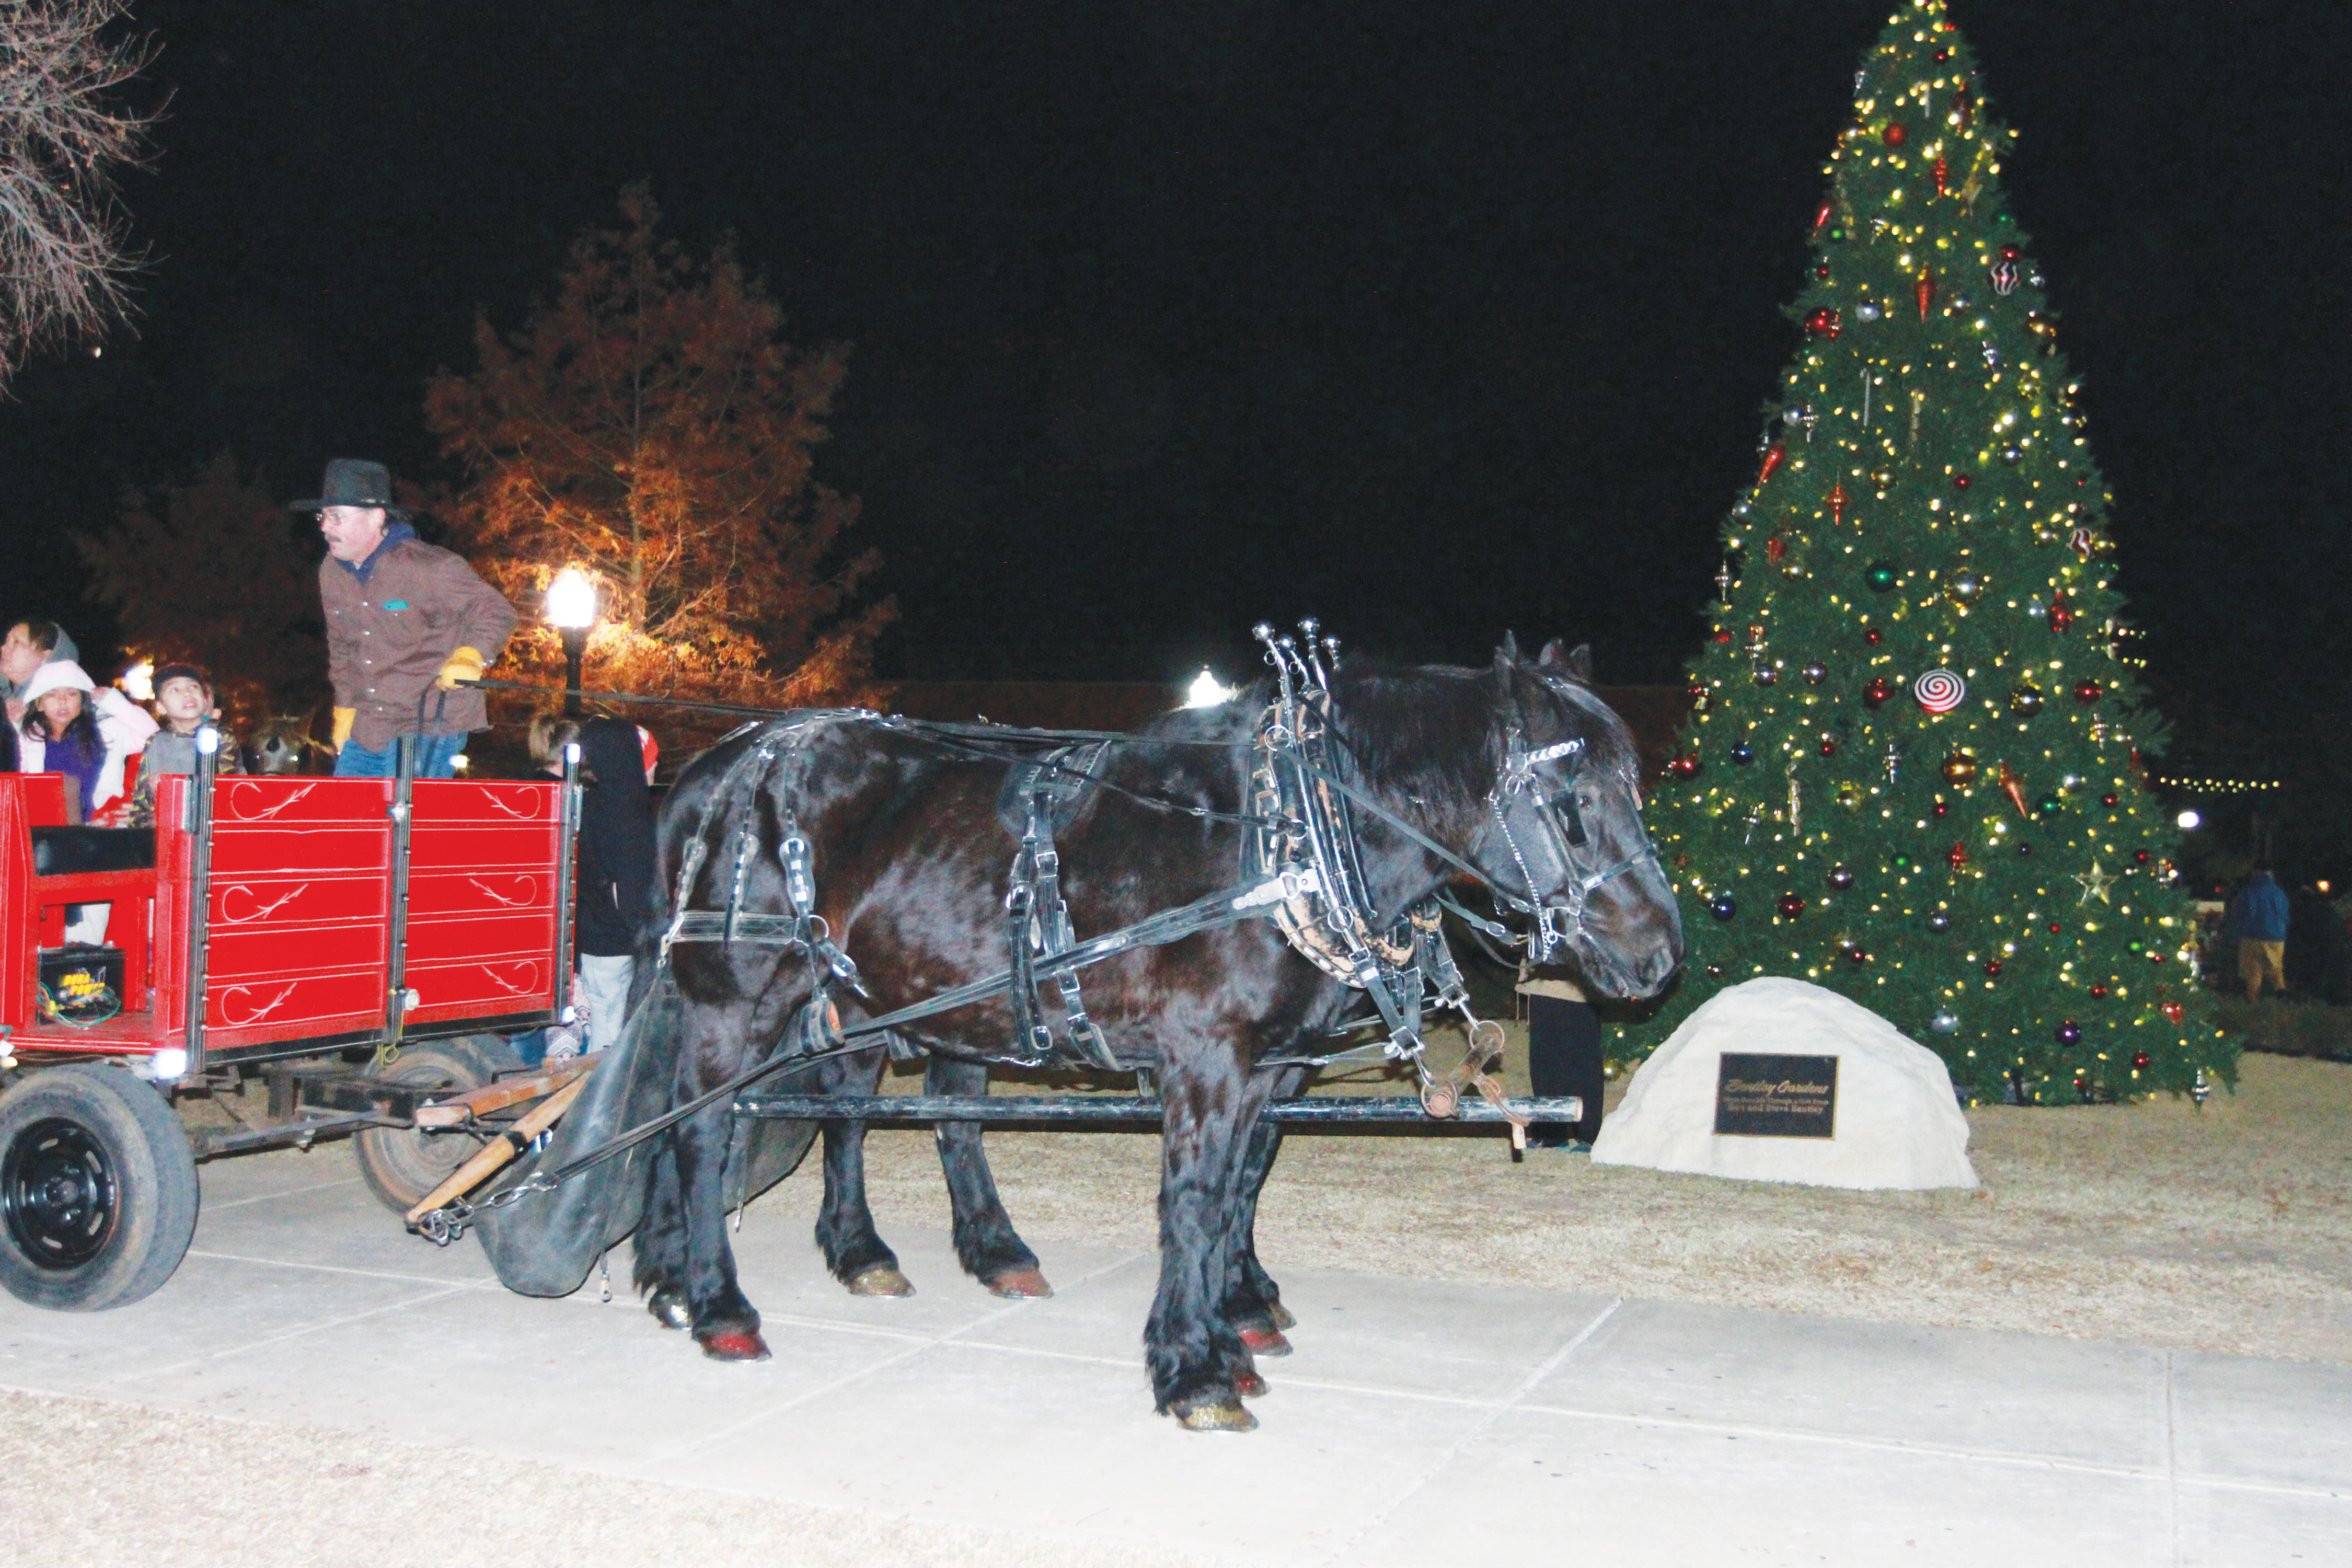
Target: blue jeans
<point>433,754</point>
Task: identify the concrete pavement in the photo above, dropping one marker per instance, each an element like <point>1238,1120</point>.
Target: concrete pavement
<point>1418,1422</point>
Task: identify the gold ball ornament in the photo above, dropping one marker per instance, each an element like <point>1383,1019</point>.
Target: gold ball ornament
<point>1960,766</point>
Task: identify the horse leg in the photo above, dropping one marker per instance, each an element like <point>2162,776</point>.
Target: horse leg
<point>853,1248</point>
<point>1198,1365</point>
<point>726,1325</point>
<point>986,1242</point>
<point>659,1245</point>
<point>1252,1302</point>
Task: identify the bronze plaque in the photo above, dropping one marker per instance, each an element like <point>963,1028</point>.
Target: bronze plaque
<point>1760,1095</point>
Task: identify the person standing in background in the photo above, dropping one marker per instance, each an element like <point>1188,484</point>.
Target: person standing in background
<point>1563,1054</point>
<point>2260,914</point>
<point>614,860</point>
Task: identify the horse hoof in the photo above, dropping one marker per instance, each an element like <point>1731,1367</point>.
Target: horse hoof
<point>732,1345</point>
<point>1283,1317</point>
<point>882,1279</point>
<point>668,1307</point>
<point>1249,1385</point>
<point>1020,1285</point>
<point>1265,1341</point>
<point>1224,1416</point>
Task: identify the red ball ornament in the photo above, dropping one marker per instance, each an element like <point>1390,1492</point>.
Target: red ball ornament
<point>1872,635</point>
<point>1775,548</point>
<point>1993,968</point>
<point>2088,691</point>
<point>2098,992</point>
<point>2062,613</point>
<point>1894,135</point>
<point>1961,481</point>
<point>2174,1012</point>
<point>1824,323</point>
<point>2111,801</point>
<point>1790,906</point>
<point>1774,456</point>
<point>1829,746</point>
<point>1723,636</point>
<point>1684,767</point>
<point>2139,1059</point>
<point>1878,691</point>
<point>1958,855</point>
<point>1856,956</point>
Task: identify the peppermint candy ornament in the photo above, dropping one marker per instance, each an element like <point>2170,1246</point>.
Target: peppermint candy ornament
<point>1939,690</point>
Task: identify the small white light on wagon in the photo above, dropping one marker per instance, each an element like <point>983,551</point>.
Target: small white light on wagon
<point>1207,691</point>
<point>2189,821</point>
<point>207,740</point>
<point>169,1063</point>
<point>461,761</point>
<point>571,752</point>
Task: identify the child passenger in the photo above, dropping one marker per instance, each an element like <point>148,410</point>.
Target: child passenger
<point>183,701</point>
<point>72,728</point>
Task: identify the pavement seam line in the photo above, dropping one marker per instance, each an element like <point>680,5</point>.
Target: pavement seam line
<point>273,1198</point>
<point>1479,1429</point>
<point>283,1335</point>
<point>211,1255</point>
<point>683,1450</point>
<point>2171,1462</point>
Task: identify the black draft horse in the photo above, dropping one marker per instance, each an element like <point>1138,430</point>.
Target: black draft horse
<point>910,866</point>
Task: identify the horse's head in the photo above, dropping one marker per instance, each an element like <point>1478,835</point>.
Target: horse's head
<point>1564,827</point>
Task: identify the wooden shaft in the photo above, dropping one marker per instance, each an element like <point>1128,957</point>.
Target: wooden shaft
<point>460,1109</point>
<point>492,1156</point>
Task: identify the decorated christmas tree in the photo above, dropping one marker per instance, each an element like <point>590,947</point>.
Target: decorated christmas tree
<point>1913,773</point>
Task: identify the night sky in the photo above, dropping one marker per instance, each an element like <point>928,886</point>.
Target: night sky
<point>1433,317</point>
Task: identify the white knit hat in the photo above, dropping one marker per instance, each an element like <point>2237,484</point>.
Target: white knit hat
<point>55,674</point>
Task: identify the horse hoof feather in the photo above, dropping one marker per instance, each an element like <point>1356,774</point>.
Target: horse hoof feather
<point>1020,1285</point>
<point>882,1279</point>
<point>1220,1416</point>
<point>1265,1341</point>
<point>1283,1318</point>
<point>733,1344</point>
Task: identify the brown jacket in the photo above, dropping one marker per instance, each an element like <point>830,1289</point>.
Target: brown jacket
<point>389,637</point>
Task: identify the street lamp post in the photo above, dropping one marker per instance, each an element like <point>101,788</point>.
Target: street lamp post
<point>572,611</point>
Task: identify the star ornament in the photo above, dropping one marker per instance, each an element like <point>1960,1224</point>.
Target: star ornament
<point>2095,884</point>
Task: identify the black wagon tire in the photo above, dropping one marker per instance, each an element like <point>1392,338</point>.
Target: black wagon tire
<point>401,1165</point>
<point>98,1189</point>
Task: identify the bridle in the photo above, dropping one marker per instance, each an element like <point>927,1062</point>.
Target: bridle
<point>1554,825</point>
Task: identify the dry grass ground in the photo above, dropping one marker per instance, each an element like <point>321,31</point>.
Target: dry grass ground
<point>2226,1227</point>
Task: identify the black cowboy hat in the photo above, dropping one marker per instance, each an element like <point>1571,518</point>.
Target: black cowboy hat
<point>353,481</point>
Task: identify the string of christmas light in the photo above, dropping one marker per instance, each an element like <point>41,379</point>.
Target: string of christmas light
<point>1914,766</point>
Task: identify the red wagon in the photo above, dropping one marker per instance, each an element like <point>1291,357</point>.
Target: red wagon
<point>365,946</point>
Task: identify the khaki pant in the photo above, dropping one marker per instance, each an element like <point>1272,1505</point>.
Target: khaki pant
<point>2257,960</point>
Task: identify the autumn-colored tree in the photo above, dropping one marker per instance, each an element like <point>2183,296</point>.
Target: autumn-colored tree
<point>212,573</point>
<point>651,426</point>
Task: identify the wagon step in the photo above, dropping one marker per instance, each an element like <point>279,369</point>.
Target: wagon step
<point>1126,1108</point>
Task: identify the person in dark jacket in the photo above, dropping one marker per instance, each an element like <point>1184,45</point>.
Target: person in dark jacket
<point>2260,914</point>
<point>406,621</point>
<point>615,864</point>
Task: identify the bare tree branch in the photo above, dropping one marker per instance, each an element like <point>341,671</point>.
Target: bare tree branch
<point>63,262</point>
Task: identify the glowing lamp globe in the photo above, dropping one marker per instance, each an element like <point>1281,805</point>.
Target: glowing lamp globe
<point>572,600</point>
<point>1207,691</point>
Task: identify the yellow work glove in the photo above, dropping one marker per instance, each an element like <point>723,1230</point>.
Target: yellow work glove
<point>344,718</point>
<point>465,664</point>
